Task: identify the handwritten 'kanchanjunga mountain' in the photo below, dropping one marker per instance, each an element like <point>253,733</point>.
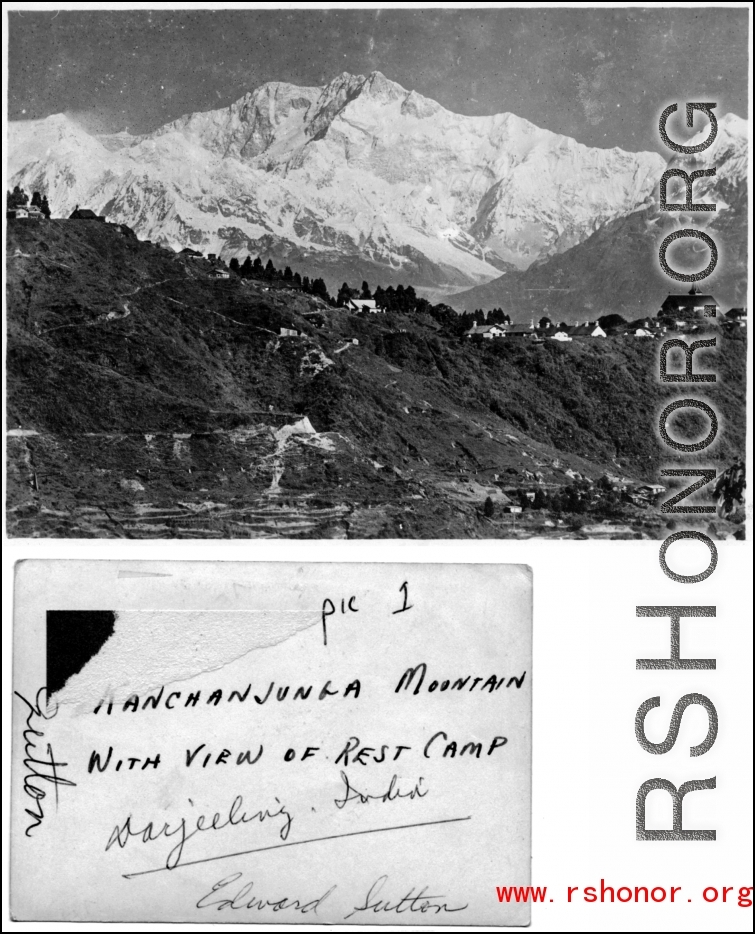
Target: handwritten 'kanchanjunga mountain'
<point>357,179</point>
<point>616,269</point>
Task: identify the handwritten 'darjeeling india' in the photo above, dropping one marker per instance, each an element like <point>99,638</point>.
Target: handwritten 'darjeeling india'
<point>265,743</point>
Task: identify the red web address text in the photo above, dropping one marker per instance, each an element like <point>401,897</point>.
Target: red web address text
<point>732,895</point>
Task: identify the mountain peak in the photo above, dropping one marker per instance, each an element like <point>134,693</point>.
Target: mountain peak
<point>357,174</point>
<point>381,89</point>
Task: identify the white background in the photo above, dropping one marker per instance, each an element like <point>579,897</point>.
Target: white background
<point>587,765</point>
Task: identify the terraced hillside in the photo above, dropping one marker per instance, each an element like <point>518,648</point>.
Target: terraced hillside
<point>147,400</point>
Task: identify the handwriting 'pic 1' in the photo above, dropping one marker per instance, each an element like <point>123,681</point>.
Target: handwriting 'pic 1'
<point>260,743</point>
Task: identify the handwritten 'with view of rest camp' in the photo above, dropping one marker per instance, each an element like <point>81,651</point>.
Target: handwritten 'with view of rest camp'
<point>311,743</point>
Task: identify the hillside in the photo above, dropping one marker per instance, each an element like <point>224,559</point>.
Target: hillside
<point>145,399</point>
<point>357,178</point>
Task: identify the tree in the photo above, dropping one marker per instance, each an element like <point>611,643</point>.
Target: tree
<point>379,296</point>
<point>305,284</point>
<point>545,322</point>
<point>365,291</point>
<point>17,198</point>
<point>319,288</point>
<point>466,320</point>
<point>270,270</point>
<point>45,207</point>
<point>489,508</point>
<point>258,268</point>
<point>246,267</point>
<point>287,274</point>
<point>234,264</point>
<point>344,294</point>
<point>297,279</point>
<point>610,322</point>
<point>36,200</point>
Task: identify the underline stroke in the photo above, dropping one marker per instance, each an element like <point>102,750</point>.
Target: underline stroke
<point>279,846</point>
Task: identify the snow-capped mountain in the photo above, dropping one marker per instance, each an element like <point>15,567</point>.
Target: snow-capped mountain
<point>359,178</point>
<point>616,269</point>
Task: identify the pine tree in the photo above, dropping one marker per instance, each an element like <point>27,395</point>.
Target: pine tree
<point>45,207</point>
<point>270,270</point>
<point>344,294</point>
<point>305,284</point>
<point>17,198</point>
<point>297,279</point>
<point>234,264</point>
<point>319,288</point>
<point>246,267</point>
<point>365,291</point>
<point>287,274</point>
<point>258,268</point>
<point>36,200</point>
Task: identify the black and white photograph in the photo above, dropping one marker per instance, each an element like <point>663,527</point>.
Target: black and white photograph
<point>364,273</point>
<point>339,339</point>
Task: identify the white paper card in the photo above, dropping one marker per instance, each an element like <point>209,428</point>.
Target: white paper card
<point>312,743</point>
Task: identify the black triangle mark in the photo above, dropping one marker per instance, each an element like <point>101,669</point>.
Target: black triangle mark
<point>73,638</point>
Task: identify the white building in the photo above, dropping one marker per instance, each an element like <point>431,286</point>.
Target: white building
<point>364,304</point>
<point>487,331</point>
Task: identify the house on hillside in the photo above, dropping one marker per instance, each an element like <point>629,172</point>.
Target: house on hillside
<point>649,324</point>
<point>486,331</point>
<point>736,317</point>
<point>587,330</point>
<point>364,304</point>
<point>84,214</point>
<point>689,304</point>
<point>219,273</point>
<point>188,253</point>
<point>520,330</point>
<point>27,212</point>
<point>288,332</point>
<point>560,335</point>
<point>639,332</point>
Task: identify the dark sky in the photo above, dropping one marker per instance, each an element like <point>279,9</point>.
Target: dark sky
<point>600,76</point>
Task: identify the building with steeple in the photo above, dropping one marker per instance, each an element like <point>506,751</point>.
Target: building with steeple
<point>688,305</point>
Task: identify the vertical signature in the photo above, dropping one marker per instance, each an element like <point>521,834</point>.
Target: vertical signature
<point>40,769</point>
